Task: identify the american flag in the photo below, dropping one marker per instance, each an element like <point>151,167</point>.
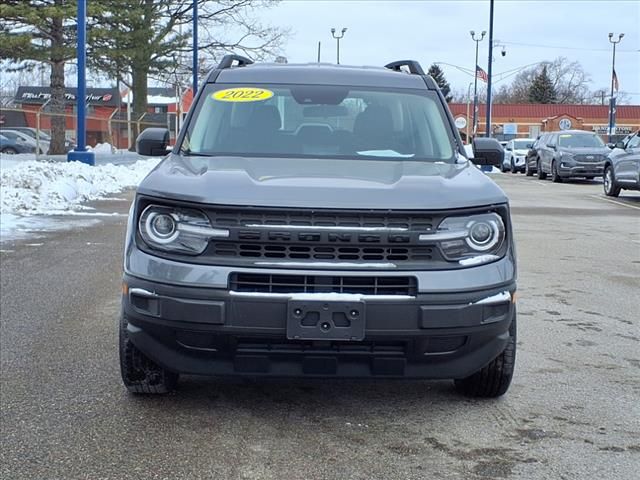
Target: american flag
<point>481,74</point>
<point>616,85</point>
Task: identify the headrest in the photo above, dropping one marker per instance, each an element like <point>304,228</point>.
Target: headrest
<point>265,118</point>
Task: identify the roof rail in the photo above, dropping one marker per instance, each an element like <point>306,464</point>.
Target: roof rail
<point>227,61</point>
<point>413,66</point>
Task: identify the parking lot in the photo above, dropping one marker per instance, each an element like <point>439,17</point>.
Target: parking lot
<point>573,411</point>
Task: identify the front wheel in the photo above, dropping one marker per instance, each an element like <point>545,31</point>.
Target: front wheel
<point>10,151</point>
<point>527,169</point>
<point>494,379</point>
<point>541,174</point>
<point>555,176</point>
<point>611,189</point>
<point>139,373</point>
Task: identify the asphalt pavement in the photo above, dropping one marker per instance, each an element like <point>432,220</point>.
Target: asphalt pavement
<point>573,411</point>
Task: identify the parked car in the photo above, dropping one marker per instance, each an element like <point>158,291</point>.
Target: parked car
<point>532,158</point>
<point>515,153</point>
<point>44,136</point>
<point>11,147</point>
<point>571,153</point>
<point>24,139</point>
<point>319,221</point>
<point>622,167</point>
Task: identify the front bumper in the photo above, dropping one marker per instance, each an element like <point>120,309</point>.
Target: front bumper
<point>210,331</point>
<point>567,169</point>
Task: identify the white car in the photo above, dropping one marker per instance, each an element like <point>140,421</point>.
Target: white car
<point>515,154</point>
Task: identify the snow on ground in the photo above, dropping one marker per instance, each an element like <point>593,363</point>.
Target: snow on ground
<point>30,188</point>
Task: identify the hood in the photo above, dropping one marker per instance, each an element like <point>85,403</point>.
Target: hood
<point>604,150</point>
<point>521,152</point>
<point>295,182</point>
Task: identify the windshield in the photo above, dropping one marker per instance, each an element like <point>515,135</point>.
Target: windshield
<point>522,144</point>
<point>568,140</point>
<point>319,121</point>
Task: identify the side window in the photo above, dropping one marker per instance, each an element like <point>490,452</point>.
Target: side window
<point>551,141</point>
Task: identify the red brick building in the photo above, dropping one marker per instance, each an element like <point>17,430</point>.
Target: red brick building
<point>529,120</point>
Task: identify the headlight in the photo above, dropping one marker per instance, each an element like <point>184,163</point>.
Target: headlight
<point>567,157</point>
<point>469,240</point>
<point>179,230</point>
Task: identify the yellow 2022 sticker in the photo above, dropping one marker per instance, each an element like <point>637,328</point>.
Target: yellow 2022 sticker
<point>243,94</point>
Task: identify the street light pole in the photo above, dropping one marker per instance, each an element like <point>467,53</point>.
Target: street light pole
<point>195,48</point>
<point>612,100</point>
<point>489,71</point>
<point>80,153</point>
<point>475,81</point>
<point>338,38</point>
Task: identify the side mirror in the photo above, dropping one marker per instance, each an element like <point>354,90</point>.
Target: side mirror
<point>619,145</point>
<point>153,142</point>
<point>611,145</point>
<point>529,145</point>
<point>487,151</point>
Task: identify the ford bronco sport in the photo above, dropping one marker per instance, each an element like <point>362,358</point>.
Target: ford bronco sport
<point>320,221</point>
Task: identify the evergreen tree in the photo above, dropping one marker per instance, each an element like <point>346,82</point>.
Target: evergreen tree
<point>542,89</point>
<point>42,31</point>
<point>143,39</point>
<point>438,75</point>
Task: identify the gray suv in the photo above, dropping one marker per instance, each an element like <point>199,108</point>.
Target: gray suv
<point>320,221</point>
<point>622,167</point>
<point>571,153</point>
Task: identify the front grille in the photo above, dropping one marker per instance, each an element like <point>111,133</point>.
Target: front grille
<point>593,159</point>
<point>231,217</point>
<point>364,348</point>
<point>321,252</point>
<point>364,285</point>
<point>307,235</point>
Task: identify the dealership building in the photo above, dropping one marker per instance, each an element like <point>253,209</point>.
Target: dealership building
<point>106,112</point>
<point>528,120</point>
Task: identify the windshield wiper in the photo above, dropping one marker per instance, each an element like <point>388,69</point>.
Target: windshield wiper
<point>189,153</point>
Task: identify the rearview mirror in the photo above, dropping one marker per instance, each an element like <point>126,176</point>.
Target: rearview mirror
<point>153,142</point>
<point>487,151</point>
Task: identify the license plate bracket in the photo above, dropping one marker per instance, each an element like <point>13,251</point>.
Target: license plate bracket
<point>323,320</point>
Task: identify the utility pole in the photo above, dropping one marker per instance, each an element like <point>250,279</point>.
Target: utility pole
<point>612,99</point>
<point>319,45</point>
<point>488,125</point>
<point>195,48</point>
<point>338,38</point>
<point>475,82</point>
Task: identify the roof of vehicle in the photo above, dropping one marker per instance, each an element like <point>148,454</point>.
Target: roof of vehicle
<point>320,74</point>
<point>574,132</point>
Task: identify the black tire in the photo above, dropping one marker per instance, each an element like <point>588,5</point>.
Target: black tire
<point>555,176</point>
<point>502,167</point>
<point>527,169</point>
<point>9,151</point>
<point>541,174</point>
<point>139,373</point>
<point>611,188</point>
<point>514,170</point>
<point>494,379</point>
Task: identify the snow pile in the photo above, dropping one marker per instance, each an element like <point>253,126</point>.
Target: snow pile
<point>103,149</point>
<point>33,188</point>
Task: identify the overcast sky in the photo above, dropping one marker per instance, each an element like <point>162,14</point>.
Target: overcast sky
<point>438,31</point>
